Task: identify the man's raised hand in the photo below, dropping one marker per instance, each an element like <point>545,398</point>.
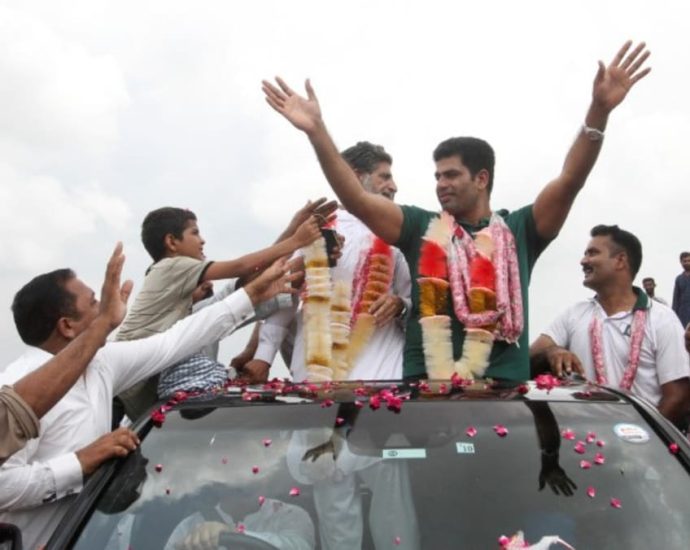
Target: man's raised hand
<point>612,82</point>
<point>113,306</point>
<point>303,113</point>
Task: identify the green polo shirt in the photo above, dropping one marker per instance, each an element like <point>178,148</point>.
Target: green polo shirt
<point>507,361</point>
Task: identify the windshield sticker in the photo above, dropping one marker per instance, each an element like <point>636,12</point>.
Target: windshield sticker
<point>404,453</point>
<point>632,433</point>
<point>465,448</point>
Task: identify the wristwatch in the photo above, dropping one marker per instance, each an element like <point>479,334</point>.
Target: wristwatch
<point>593,134</point>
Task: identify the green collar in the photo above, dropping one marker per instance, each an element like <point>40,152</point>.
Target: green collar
<point>642,301</point>
<point>483,222</point>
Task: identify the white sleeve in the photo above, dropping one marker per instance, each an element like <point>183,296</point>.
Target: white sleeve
<point>272,333</point>
<point>560,329</point>
<point>135,360</point>
<point>671,357</point>
<point>289,528</point>
<point>28,484</point>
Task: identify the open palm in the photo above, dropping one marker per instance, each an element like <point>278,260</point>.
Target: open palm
<point>303,113</point>
<point>612,83</point>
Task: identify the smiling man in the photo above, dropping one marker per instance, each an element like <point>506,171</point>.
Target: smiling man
<point>464,175</point>
<point>620,337</point>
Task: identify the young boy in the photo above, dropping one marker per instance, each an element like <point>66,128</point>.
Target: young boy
<point>171,237</point>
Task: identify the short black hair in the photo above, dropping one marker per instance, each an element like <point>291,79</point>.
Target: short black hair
<point>684,255</point>
<point>40,303</point>
<point>365,156</point>
<point>161,222</point>
<point>624,241</point>
<point>476,154</point>
<point>648,279</point>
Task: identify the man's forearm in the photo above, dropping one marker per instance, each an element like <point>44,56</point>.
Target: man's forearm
<point>44,387</point>
<point>675,408</point>
<point>338,173</point>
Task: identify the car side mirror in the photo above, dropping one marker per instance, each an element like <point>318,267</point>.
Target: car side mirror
<point>10,537</point>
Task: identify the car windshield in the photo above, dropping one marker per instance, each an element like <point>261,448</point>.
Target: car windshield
<point>438,474</point>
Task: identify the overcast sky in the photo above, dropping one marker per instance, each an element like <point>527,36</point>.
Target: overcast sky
<point>111,109</point>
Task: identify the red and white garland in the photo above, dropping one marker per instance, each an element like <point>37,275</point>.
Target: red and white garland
<point>484,280</point>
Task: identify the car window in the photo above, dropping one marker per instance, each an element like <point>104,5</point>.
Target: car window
<point>438,474</point>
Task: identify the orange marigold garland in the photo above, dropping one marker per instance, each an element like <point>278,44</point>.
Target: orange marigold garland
<point>373,279</point>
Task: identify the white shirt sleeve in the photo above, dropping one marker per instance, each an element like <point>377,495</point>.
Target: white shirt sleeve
<point>25,484</point>
<point>272,333</point>
<point>672,360</point>
<point>135,360</point>
<point>560,330</point>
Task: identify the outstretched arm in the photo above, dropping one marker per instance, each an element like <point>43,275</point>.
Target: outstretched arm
<point>611,85</point>
<point>252,263</point>
<point>381,215</point>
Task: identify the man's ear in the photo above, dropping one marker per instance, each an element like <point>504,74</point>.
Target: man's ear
<point>65,328</point>
<point>482,178</point>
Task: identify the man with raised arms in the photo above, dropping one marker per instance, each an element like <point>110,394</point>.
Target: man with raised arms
<point>481,256</point>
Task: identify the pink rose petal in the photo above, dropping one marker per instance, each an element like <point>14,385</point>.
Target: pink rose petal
<point>501,430</point>
<point>585,464</point>
<point>262,499</point>
<point>471,431</point>
<point>616,503</point>
<point>255,469</point>
<point>568,434</point>
<point>503,541</point>
<point>580,447</point>
<point>339,421</point>
<point>374,402</point>
<point>673,448</point>
<point>327,403</point>
<point>599,459</point>
<point>591,436</point>
<point>224,460</point>
<point>240,528</point>
<point>601,443</point>
<point>396,541</point>
<point>591,492</point>
<point>267,442</point>
<point>294,492</point>
<point>547,382</point>
<point>359,404</point>
<point>158,468</point>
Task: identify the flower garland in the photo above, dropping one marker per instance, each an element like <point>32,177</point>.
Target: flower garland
<point>596,339</point>
<point>373,279</point>
<point>316,311</point>
<point>335,332</point>
<point>484,279</point>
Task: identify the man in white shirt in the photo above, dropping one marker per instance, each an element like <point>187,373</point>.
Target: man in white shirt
<point>620,337</point>
<point>75,438</point>
<point>381,358</point>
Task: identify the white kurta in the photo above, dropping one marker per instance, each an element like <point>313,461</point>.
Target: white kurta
<point>36,482</point>
<point>381,358</point>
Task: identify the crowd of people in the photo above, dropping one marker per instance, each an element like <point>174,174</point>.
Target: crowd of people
<point>403,293</point>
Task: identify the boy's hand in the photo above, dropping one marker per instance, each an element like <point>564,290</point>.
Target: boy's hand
<point>307,232</point>
<point>321,208</point>
<point>275,280</point>
<point>203,291</point>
